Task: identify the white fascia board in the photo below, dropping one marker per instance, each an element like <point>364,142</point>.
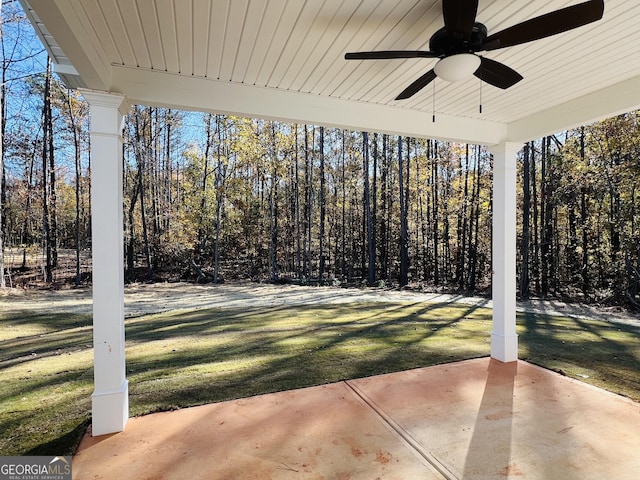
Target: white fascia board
<point>163,89</point>
<point>607,102</point>
<point>82,55</point>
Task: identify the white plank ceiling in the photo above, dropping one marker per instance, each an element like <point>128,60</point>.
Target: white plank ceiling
<point>285,59</point>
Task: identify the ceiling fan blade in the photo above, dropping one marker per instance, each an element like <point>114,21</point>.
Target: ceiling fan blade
<point>389,54</point>
<point>459,16</point>
<point>547,25</point>
<point>418,85</point>
<point>497,74</point>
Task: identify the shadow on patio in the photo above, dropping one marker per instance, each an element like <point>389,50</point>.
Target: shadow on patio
<point>476,419</point>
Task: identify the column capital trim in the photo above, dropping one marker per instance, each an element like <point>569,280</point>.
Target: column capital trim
<point>511,147</point>
<point>105,99</point>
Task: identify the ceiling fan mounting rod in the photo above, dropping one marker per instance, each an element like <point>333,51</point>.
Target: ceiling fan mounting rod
<point>444,43</point>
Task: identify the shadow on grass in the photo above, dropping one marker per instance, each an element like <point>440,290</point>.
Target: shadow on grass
<point>40,323</point>
<point>281,348</point>
<point>187,358</point>
<point>63,445</point>
<point>604,354</point>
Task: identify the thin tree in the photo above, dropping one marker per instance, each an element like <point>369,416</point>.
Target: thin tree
<point>374,201</point>
<point>404,214</point>
<point>143,141</point>
<point>3,187</point>
<point>222,158</point>
<point>273,205</point>
<point>584,222</point>
<point>387,203</point>
<point>474,226</point>
<point>435,210</point>
<point>343,155</point>
<point>203,233</point>
<point>323,206</point>
<point>47,151</point>
<point>308,176</point>
<point>463,221</point>
<point>526,220</point>
<point>296,196</point>
<point>535,264</point>
<point>547,217</point>
<point>371,270</point>
<point>74,111</point>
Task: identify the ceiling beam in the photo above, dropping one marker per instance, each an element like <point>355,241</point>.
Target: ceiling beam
<point>607,102</point>
<point>164,89</point>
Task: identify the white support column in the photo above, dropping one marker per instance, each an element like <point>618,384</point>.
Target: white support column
<point>504,340</point>
<point>110,399</point>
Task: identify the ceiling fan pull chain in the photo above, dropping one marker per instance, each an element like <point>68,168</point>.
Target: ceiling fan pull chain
<point>480,90</point>
<point>433,99</point>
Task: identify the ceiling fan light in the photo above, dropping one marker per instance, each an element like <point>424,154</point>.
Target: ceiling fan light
<point>457,67</point>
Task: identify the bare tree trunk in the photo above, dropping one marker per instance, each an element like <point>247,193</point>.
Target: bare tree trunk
<point>573,255</point>
<point>526,233</point>
<point>3,282</point>
<point>306,244</point>
<point>435,209</point>
<point>202,231</point>
<point>343,155</point>
<point>273,208</point>
<point>155,178</point>
<point>132,242</point>
<point>145,234</point>
<point>297,208</point>
<point>475,224</point>
<point>220,177</point>
<point>53,197</point>
<point>404,234</point>
<point>424,234</point>
<point>75,130</point>
<point>463,223</point>
<point>446,234</point>
<point>584,221</point>
<point>535,265</point>
<point>46,216</point>
<point>168,169</point>
<point>140,133</point>
<point>385,215</point>
<point>374,201</point>
<point>547,216</point>
<point>323,206</point>
<point>371,270</point>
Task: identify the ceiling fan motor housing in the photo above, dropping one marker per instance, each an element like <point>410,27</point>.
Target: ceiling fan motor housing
<point>444,43</point>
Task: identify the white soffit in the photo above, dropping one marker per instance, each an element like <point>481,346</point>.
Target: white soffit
<point>284,59</point>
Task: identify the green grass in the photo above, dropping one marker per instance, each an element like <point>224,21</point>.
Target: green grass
<point>184,358</point>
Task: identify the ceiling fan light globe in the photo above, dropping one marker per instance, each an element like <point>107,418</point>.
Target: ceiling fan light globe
<point>457,67</point>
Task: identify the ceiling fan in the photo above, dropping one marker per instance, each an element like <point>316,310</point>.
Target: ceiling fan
<point>456,44</point>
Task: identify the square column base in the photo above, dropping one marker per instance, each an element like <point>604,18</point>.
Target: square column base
<point>504,348</point>
<point>110,410</point>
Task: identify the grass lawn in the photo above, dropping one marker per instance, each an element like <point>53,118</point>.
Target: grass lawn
<point>185,358</point>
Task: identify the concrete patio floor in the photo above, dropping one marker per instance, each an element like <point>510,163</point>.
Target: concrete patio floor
<point>477,419</point>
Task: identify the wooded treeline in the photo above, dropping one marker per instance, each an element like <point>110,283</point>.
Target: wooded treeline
<point>210,197</point>
<point>269,200</point>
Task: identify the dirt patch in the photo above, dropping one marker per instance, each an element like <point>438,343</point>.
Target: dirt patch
<point>141,299</point>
